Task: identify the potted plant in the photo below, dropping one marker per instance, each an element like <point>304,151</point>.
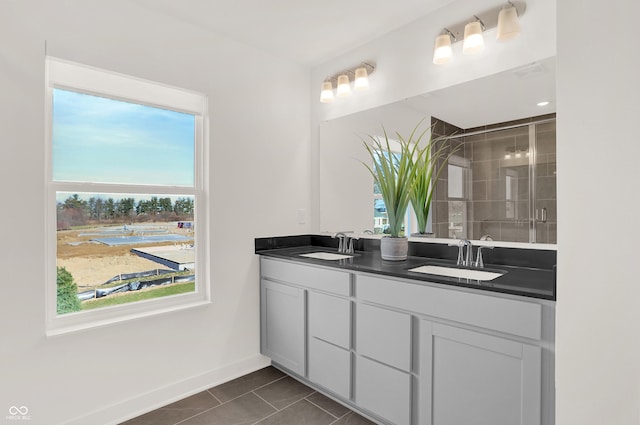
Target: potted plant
<point>429,164</point>
<point>395,174</point>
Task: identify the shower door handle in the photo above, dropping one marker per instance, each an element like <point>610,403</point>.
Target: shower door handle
<point>543,215</point>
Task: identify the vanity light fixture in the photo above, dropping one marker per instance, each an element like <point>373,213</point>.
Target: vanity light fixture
<point>361,79</point>
<point>473,39</point>
<point>543,103</point>
<point>344,86</point>
<point>516,153</point>
<point>359,75</point>
<point>508,23</point>
<point>442,52</point>
<point>505,19</point>
<point>326,95</point>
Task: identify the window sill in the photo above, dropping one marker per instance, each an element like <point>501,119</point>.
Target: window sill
<point>85,321</point>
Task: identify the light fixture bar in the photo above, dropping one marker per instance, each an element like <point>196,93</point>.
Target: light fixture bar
<point>342,80</point>
<point>489,18</point>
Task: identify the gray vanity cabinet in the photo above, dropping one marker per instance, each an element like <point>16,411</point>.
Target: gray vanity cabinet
<point>468,377</point>
<point>283,325</point>
<point>409,353</point>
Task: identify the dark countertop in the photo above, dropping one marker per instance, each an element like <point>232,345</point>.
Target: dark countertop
<point>533,276</point>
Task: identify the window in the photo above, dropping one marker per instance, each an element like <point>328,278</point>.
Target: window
<point>126,197</point>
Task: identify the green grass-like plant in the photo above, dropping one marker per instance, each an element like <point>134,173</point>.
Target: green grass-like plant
<point>429,164</point>
<point>394,173</point>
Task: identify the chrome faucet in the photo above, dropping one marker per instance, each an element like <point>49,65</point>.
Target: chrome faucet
<point>479,262</point>
<point>345,242</point>
<point>464,259</point>
<point>341,241</point>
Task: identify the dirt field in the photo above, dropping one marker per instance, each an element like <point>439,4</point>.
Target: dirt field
<point>92,264</point>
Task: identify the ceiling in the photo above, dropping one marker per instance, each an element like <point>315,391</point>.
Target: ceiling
<point>308,32</point>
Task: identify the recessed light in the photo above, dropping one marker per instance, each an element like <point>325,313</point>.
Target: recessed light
<point>545,103</point>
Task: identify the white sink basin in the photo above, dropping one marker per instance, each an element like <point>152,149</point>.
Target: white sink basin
<point>483,275</point>
<point>326,256</point>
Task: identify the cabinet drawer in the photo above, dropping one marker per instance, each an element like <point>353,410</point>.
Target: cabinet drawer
<point>330,319</point>
<point>384,335</point>
<point>335,281</point>
<point>330,367</point>
<point>383,391</point>
<point>492,312</point>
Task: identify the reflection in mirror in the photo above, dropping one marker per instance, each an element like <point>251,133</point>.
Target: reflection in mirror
<point>501,183</point>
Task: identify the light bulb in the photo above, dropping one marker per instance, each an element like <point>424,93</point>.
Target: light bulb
<point>508,24</point>
<point>473,39</point>
<point>442,52</point>
<point>362,79</point>
<point>344,88</point>
<point>326,95</point>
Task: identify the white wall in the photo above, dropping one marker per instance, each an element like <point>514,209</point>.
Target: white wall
<point>257,124</point>
<point>598,309</point>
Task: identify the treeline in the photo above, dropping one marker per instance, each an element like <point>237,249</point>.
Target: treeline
<point>75,211</point>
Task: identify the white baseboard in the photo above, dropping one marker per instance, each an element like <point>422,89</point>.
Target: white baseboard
<point>158,397</point>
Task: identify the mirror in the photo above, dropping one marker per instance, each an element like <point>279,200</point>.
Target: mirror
<point>463,210</point>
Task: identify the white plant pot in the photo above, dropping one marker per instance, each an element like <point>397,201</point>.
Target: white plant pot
<point>394,249</point>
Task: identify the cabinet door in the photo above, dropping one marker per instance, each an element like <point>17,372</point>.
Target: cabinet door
<point>467,377</point>
<point>384,391</point>
<point>283,325</point>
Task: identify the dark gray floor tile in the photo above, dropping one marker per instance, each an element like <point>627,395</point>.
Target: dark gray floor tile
<point>353,419</point>
<point>178,411</point>
<point>284,392</point>
<point>245,384</point>
<point>203,400</point>
<point>163,417</point>
<point>335,408</point>
<point>300,413</point>
<point>244,410</point>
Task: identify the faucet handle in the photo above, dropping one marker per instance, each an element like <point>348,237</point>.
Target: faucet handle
<point>479,262</point>
<point>460,245</point>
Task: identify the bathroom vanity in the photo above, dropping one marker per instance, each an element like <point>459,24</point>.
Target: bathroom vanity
<point>410,348</point>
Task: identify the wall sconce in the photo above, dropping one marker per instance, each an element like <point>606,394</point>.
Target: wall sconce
<point>473,39</point>
<point>504,18</point>
<point>508,23</point>
<point>358,74</point>
<point>443,53</point>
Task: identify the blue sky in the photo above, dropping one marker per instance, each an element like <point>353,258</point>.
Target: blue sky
<point>103,140</point>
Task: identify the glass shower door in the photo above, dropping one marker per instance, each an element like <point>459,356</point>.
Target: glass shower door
<point>544,216</point>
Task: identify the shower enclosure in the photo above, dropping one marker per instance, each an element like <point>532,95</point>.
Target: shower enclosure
<point>500,184</point>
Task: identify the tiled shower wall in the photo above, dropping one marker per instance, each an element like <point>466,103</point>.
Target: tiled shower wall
<point>495,200</point>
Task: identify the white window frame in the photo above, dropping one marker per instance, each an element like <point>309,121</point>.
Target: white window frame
<point>68,75</point>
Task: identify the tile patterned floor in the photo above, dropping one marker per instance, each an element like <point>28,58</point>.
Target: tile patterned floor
<point>264,397</point>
